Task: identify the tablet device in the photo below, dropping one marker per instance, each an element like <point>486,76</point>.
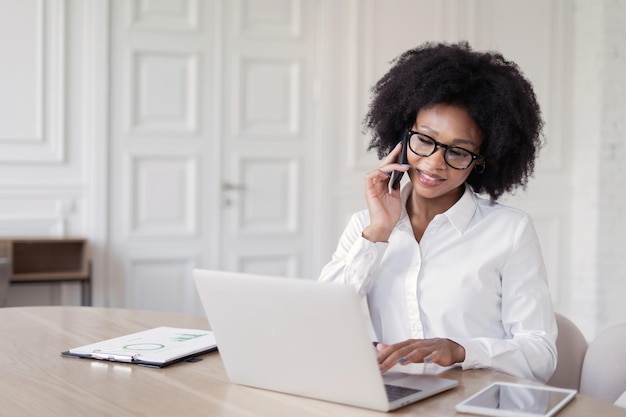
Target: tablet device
<point>517,400</point>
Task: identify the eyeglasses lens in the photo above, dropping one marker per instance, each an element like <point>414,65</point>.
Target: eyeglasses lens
<point>454,156</point>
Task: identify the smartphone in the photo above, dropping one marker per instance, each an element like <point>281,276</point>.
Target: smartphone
<point>396,176</point>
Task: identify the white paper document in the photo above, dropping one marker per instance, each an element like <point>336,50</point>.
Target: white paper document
<point>158,347</point>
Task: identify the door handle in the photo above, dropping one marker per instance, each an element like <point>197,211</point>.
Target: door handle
<point>227,186</point>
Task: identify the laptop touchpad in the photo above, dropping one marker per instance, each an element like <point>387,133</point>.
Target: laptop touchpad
<point>416,381</point>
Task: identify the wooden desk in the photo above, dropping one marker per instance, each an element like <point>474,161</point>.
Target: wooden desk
<point>35,380</point>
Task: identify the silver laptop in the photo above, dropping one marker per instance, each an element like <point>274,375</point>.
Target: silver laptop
<point>305,338</point>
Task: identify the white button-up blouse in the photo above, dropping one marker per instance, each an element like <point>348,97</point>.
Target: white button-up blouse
<point>477,277</point>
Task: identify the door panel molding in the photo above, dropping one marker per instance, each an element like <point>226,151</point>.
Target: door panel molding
<point>34,128</point>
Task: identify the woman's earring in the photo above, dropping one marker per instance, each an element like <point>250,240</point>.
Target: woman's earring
<point>480,168</point>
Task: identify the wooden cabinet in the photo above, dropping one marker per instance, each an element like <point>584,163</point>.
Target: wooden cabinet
<point>49,260</point>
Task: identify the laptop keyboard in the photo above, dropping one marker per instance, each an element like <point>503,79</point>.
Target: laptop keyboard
<point>395,392</point>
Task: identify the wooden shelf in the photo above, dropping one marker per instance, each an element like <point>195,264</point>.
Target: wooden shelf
<point>48,259</point>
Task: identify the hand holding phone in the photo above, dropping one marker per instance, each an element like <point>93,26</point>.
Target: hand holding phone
<point>383,201</point>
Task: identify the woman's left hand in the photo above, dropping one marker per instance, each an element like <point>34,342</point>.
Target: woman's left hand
<point>441,351</point>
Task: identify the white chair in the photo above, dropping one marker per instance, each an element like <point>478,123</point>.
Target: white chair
<point>621,401</point>
<point>571,347</point>
<point>604,369</point>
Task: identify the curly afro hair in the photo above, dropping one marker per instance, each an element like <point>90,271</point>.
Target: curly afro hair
<point>495,93</point>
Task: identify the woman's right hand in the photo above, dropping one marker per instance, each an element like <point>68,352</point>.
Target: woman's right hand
<point>384,207</point>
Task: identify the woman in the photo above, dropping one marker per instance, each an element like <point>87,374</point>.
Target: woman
<point>451,277</point>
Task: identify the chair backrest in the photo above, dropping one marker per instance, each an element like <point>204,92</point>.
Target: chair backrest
<point>5,277</point>
<point>604,369</point>
<point>571,347</point>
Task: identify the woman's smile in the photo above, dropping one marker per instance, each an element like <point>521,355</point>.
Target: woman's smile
<point>428,178</point>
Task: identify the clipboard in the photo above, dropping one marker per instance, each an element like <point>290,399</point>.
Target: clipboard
<point>156,348</point>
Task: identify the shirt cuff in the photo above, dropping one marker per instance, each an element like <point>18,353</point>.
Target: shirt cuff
<point>471,354</point>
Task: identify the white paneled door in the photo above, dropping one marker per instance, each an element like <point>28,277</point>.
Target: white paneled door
<point>159,75</point>
<point>269,109</point>
<point>213,111</point>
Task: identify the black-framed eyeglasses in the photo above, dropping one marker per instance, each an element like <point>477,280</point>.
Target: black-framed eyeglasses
<point>455,156</point>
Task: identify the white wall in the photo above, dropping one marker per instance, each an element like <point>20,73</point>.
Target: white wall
<point>51,145</point>
<point>598,126</point>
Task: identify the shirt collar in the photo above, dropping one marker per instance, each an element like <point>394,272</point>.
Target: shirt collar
<point>459,215</point>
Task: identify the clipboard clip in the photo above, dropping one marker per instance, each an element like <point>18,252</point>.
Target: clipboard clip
<point>115,356</point>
